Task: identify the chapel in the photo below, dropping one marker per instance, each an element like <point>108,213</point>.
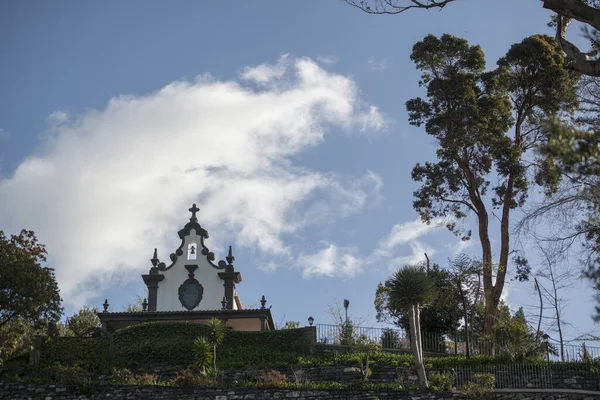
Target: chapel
<point>192,288</point>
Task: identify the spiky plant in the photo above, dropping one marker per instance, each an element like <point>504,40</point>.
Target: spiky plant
<point>215,333</point>
<point>411,288</point>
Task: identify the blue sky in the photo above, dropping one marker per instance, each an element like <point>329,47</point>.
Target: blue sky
<point>284,121</point>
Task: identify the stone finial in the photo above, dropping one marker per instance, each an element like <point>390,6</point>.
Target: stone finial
<point>144,305</point>
<point>224,303</point>
<point>194,210</point>
<point>230,258</point>
<point>154,260</point>
<point>105,305</point>
<point>263,301</point>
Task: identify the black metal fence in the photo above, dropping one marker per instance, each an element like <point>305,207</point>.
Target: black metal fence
<point>390,339</point>
<point>573,353</point>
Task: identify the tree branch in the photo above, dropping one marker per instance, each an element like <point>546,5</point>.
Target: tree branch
<point>392,7</point>
<point>575,9</point>
<point>584,62</point>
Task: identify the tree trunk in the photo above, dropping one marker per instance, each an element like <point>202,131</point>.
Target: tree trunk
<point>420,366</point>
<point>557,311</point>
<point>415,342</point>
<point>488,287</point>
<point>537,287</point>
<point>466,316</point>
<point>215,358</point>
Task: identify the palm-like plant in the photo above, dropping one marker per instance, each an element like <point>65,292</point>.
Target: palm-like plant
<point>411,288</point>
<point>204,353</point>
<point>215,333</point>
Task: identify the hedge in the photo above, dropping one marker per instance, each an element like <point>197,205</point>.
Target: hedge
<point>169,345</point>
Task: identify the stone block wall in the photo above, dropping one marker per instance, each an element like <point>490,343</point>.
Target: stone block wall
<point>344,374</point>
<point>37,391</point>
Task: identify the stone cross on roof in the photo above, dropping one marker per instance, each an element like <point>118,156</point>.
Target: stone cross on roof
<point>194,210</point>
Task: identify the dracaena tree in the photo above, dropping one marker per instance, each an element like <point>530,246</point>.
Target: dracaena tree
<point>410,289</point>
<point>485,123</point>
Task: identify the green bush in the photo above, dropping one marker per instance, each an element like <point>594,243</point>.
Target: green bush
<point>93,355</point>
<point>480,388</point>
<point>441,381</point>
<point>126,377</point>
<point>272,378</point>
<point>170,344</point>
<point>189,378</point>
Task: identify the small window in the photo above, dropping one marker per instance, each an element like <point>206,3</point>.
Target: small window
<point>192,250</point>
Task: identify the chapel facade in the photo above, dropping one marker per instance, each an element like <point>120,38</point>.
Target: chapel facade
<point>192,288</point>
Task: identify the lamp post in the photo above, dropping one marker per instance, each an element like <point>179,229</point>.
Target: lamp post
<point>310,320</point>
<point>545,337</point>
<point>346,305</point>
<point>346,337</point>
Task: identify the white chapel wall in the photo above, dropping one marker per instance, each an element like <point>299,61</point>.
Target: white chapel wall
<point>206,274</point>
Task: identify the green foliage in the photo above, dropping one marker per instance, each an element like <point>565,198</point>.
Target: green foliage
<point>410,285</point>
<point>215,333</point>
<point>28,291</point>
<point>469,112</point>
<point>71,375</point>
<point>16,336</point>
<point>168,345</point>
<point>84,322</point>
<point>272,378</point>
<point>203,353</point>
<point>443,381</point>
<point>291,325</point>
<point>93,355</point>
<point>440,317</point>
<point>189,378</point>
<point>136,306</point>
<point>126,377</point>
<point>366,349</point>
<point>514,338</point>
<point>480,388</point>
<point>121,376</point>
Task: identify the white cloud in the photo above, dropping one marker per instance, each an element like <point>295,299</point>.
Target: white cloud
<point>377,65</point>
<point>265,73</point>
<point>58,117</point>
<point>327,60</point>
<point>109,186</point>
<point>3,134</point>
<point>331,261</point>
<point>404,233</point>
<point>417,255</point>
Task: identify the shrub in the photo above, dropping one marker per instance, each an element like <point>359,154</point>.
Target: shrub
<point>121,377</point>
<point>145,379</point>
<point>69,375</point>
<point>441,381</point>
<point>365,348</point>
<point>167,344</point>
<point>272,378</point>
<point>480,388</point>
<point>203,352</point>
<point>188,378</point>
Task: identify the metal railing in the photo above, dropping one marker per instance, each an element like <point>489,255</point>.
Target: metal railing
<point>574,353</point>
<point>391,339</point>
<point>388,338</point>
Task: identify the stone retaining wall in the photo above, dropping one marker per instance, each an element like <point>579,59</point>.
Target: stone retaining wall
<point>504,379</point>
<point>31,391</point>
